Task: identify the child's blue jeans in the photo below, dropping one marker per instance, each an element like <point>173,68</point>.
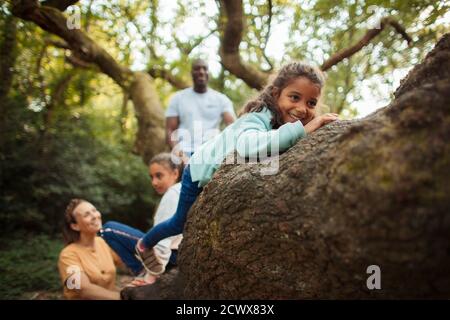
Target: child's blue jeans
<point>122,239</point>
<point>173,226</point>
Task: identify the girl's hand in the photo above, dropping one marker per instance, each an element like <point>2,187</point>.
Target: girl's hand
<point>320,121</point>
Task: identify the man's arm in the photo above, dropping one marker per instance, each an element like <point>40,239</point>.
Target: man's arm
<point>228,118</point>
<point>172,124</point>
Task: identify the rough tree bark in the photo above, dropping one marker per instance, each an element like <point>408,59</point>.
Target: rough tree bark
<point>148,109</point>
<point>353,194</point>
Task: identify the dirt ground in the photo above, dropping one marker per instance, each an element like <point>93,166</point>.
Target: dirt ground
<point>122,281</point>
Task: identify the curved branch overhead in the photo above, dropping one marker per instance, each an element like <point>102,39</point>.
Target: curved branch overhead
<point>148,109</point>
<point>61,5</point>
<point>266,38</point>
<point>233,14</point>
<point>365,40</point>
<point>229,47</point>
<point>53,21</point>
<point>155,70</point>
<point>175,81</point>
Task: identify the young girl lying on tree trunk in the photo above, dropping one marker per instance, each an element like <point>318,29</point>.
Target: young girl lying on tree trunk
<point>284,112</point>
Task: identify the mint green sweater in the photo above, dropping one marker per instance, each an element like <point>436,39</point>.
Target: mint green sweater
<point>251,136</point>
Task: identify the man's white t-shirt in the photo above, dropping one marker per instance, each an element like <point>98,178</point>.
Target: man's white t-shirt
<point>200,115</point>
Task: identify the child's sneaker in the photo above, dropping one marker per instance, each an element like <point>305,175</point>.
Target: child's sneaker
<point>149,259</point>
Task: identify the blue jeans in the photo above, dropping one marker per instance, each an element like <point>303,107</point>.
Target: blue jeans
<point>173,226</point>
<point>122,239</point>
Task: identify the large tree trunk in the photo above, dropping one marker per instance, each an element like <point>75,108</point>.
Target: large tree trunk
<point>351,195</point>
<point>149,113</point>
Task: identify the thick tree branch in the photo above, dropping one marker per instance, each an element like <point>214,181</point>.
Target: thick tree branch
<point>266,39</point>
<point>71,58</point>
<point>154,71</point>
<point>175,81</point>
<point>58,44</point>
<point>61,5</point>
<point>187,47</point>
<point>148,110</point>
<point>53,21</point>
<point>233,12</point>
<point>78,63</point>
<point>158,72</point>
<point>364,41</point>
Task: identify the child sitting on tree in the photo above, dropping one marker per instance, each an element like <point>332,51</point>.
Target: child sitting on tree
<point>165,175</point>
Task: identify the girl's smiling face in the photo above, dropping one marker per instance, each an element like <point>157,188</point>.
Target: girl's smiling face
<point>298,100</point>
<point>162,177</point>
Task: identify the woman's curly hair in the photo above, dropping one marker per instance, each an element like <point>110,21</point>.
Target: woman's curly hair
<point>70,235</point>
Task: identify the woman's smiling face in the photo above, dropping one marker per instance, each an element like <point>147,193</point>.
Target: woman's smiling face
<point>88,218</point>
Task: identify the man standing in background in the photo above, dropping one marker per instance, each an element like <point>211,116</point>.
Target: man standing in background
<point>195,114</point>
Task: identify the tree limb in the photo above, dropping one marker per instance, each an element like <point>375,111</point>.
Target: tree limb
<point>148,110</point>
<point>266,39</point>
<point>53,21</point>
<point>71,58</point>
<point>154,71</point>
<point>162,73</point>
<point>187,48</point>
<point>58,44</point>
<point>233,12</point>
<point>364,41</point>
<point>61,5</point>
<point>76,62</point>
<point>159,72</point>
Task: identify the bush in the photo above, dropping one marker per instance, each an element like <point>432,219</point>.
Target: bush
<point>41,172</point>
<point>29,264</point>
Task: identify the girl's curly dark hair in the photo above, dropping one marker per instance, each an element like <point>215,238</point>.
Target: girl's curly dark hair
<point>284,77</point>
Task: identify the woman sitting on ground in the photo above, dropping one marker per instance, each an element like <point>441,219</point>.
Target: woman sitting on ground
<point>87,265</point>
